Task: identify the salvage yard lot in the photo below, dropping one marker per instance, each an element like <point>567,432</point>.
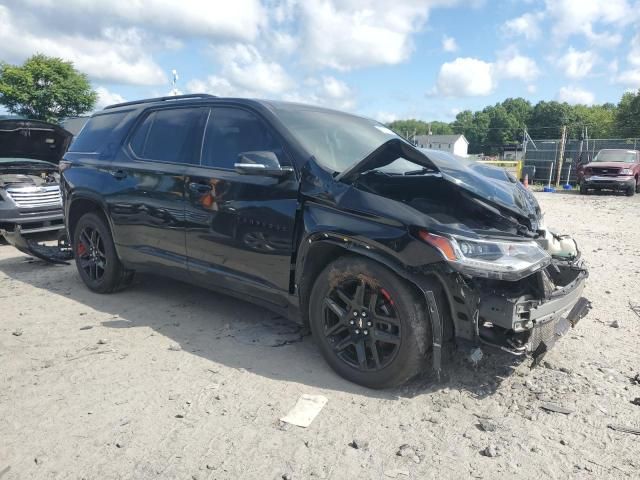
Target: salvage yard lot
<point>165,380</point>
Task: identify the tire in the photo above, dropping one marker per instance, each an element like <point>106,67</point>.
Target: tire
<point>631,191</point>
<point>583,189</point>
<point>96,258</point>
<point>637,186</point>
<point>377,354</point>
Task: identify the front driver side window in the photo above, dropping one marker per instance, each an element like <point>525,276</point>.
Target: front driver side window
<point>231,131</point>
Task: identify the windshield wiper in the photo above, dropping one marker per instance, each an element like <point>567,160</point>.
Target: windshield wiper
<point>421,171</point>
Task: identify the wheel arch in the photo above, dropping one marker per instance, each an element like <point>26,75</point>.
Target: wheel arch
<point>80,205</point>
<point>322,248</point>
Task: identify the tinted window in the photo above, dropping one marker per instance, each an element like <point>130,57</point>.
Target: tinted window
<point>231,131</point>
<point>168,136</point>
<point>95,134</point>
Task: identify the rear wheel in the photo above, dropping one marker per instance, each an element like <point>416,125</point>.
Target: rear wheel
<point>96,258</point>
<point>371,326</point>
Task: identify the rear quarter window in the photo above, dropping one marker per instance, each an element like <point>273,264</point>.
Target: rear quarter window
<point>94,136</point>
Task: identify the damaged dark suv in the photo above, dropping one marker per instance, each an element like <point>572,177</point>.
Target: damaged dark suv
<point>385,251</point>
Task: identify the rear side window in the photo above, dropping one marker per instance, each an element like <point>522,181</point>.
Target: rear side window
<point>231,131</point>
<point>95,134</point>
<point>168,135</point>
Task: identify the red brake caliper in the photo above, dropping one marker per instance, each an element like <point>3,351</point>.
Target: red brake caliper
<point>386,295</point>
<point>81,249</point>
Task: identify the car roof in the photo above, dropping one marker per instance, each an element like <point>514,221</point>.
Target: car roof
<point>203,98</point>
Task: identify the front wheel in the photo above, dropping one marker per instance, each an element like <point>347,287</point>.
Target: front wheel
<point>96,258</point>
<point>371,326</point>
<point>583,189</point>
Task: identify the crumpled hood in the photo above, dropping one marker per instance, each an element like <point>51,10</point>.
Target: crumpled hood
<point>491,185</point>
<point>33,139</point>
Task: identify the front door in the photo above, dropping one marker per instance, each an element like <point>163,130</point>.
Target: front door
<point>240,228</point>
<point>146,201</point>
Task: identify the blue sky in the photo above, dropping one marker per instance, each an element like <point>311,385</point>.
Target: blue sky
<point>423,59</point>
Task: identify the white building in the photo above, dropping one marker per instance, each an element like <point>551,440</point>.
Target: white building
<point>456,144</point>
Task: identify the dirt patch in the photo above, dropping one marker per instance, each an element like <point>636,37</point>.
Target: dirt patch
<point>180,389</point>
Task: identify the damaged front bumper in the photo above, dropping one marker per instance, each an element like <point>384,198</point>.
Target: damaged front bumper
<point>525,324</point>
<point>521,317</point>
<point>61,253</point>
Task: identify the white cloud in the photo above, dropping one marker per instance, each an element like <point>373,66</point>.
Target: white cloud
<point>527,25</point>
<point>326,91</point>
<point>449,44</point>
<point>114,40</point>
<point>576,96</point>
<point>575,17</point>
<point>239,19</point>
<point>358,33</point>
<point>577,64</point>
<point>465,77</point>
<point>513,65</point>
<point>629,78</point>
<point>385,117</point>
<point>116,57</point>
<point>532,88</point>
<point>246,71</point>
<point>105,98</point>
<point>470,77</point>
<point>634,51</point>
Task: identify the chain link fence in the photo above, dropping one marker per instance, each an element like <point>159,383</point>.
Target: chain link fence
<point>546,156</point>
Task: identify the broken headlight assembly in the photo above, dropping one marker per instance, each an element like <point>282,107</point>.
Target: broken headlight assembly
<point>500,259</point>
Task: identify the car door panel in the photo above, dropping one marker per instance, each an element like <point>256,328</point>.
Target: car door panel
<point>240,228</point>
<point>147,201</point>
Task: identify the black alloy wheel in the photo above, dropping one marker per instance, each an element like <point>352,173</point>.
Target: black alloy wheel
<point>371,326</point>
<point>96,257</point>
<point>362,325</point>
<point>91,253</point>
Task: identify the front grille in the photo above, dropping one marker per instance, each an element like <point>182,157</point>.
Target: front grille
<point>605,171</point>
<point>46,196</point>
<point>542,333</point>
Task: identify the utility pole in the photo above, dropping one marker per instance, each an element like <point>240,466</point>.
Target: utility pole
<point>561,159</point>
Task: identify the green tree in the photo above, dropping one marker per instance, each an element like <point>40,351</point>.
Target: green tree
<point>45,88</point>
<point>504,127</point>
<point>547,119</point>
<point>600,119</point>
<point>627,120</point>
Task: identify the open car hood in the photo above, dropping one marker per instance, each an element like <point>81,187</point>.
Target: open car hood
<point>33,139</point>
<point>487,184</point>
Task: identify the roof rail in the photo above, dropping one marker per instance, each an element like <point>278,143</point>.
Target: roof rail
<point>160,99</point>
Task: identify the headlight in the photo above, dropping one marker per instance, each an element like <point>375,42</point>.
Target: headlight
<point>489,258</point>
<point>626,171</point>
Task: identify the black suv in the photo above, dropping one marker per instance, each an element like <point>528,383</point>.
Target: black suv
<point>385,251</point>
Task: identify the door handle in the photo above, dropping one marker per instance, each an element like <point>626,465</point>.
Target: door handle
<point>118,174</point>
<point>199,187</point>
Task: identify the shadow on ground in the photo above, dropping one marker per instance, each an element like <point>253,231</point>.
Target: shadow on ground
<point>240,335</point>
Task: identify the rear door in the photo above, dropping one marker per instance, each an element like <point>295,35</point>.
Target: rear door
<point>239,227</point>
<point>146,199</point>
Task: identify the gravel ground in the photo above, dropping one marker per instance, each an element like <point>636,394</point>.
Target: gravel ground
<point>167,381</point>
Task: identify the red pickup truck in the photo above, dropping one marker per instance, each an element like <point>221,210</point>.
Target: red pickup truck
<point>611,169</point>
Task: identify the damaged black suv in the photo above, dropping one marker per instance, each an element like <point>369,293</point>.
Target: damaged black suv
<point>385,251</point>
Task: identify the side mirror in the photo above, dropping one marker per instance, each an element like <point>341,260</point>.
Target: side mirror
<point>261,163</point>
